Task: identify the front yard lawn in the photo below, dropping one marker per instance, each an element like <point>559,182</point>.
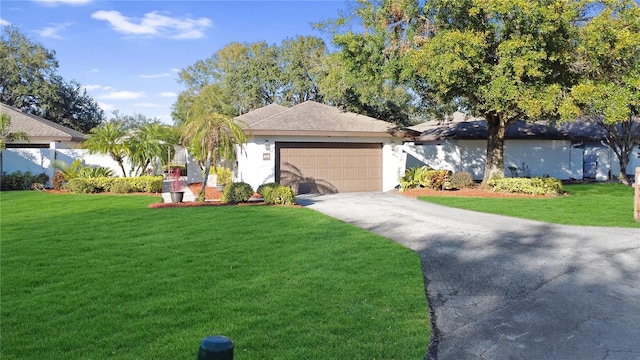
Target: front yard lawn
<point>586,204</point>
<point>103,276</point>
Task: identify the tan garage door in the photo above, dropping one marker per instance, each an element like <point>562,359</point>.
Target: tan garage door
<point>329,167</point>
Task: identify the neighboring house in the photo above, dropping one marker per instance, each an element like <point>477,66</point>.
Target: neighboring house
<point>573,150</point>
<point>316,148</point>
<point>48,141</point>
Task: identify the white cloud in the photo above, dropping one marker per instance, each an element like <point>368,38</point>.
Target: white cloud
<point>53,30</point>
<point>106,107</point>
<point>94,70</point>
<point>150,105</point>
<point>123,95</point>
<point>155,76</point>
<point>63,2</point>
<point>155,23</point>
<point>175,70</point>
<point>92,87</point>
<point>4,22</point>
<point>168,94</point>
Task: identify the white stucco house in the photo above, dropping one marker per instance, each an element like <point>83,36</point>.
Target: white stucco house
<point>316,148</point>
<point>573,150</point>
<point>48,142</point>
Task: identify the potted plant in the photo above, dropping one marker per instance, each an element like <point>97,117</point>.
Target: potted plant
<point>176,186</point>
<point>223,178</point>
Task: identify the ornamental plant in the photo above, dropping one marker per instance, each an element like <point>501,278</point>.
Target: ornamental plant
<point>176,183</point>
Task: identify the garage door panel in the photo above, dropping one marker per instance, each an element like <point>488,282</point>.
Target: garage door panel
<point>330,167</point>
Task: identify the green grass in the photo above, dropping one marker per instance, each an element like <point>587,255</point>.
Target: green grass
<point>588,204</point>
<point>103,276</point>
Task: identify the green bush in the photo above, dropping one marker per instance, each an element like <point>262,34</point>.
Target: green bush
<point>81,186</point>
<point>281,195</point>
<point>223,175</point>
<point>413,177</point>
<point>264,189</point>
<point>533,186</point>
<point>95,172</point>
<point>117,185</point>
<point>120,187</point>
<point>21,181</point>
<point>461,180</point>
<point>237,192</point>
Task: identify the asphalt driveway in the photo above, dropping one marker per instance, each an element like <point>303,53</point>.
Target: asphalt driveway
<point>505,288</point>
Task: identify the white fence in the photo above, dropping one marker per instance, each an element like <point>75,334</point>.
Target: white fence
<point>41,160</point>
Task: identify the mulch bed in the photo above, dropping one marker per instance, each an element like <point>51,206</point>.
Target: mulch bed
<point>469,192</point>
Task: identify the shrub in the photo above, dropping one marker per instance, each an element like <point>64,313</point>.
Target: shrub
<point>265,188</point>
<point>533,186</point>
<point>413,177</point>
<point>95,172</point>
<point>223,175</point>
<point>461,180</point>
<point>21,181</point>
<point>437,179</point>
<point>120,187</point>
<point>237,192</point>
<point>280,195</point>
<point>58,181</point>
<point>80,186</point>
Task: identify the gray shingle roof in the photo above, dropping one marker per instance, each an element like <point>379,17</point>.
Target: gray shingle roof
<point>476,128</point>
<point>39,129</point>
<point>311,117</point>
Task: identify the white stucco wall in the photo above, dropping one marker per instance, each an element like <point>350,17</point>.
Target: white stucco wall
<point>540,157</point>
<point>256,164</point>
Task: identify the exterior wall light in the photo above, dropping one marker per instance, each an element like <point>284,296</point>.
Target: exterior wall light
<point>267,145</point>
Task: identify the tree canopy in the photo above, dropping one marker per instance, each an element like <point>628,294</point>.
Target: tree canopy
<point>502,60</point>
<point>608,56</point>
<point>252,75</point>
<point>28,81</point>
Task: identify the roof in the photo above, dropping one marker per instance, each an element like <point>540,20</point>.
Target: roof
<point>476,128</point>
<point>311,118</point>
<point>39,129</point>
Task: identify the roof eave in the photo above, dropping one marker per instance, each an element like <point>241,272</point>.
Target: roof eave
<point>307,133</point>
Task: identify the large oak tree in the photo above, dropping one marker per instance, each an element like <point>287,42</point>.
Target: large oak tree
<point>28,81</point>
<point>505,60</point>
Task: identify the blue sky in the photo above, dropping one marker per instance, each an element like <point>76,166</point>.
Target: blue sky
<point>127,54</point>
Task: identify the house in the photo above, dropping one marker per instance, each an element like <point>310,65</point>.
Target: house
<point>48,142</point>
<point>573,150</point>
<point>316,148</point>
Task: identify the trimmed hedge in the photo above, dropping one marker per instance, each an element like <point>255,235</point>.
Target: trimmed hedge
<point>533,186</point>
<point>118,185</point>
<point>264,189</point>
<point>237,192</point>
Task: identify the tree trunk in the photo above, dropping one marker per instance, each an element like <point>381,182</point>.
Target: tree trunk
<point>207,169</point>
<point>624,162</point>
<point>496,130</point>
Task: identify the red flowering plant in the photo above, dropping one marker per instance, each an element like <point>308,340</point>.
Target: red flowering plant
<point>175,181</point>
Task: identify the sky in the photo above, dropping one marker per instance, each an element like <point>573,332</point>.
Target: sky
<point>127,53</point>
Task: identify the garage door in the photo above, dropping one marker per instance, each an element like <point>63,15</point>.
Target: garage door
<point>329,167</point>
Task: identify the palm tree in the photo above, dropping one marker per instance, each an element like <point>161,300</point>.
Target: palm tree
<point>7,136</point>
<point>109,138</point>
<point>148,142</point>
<point>208,132</point>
